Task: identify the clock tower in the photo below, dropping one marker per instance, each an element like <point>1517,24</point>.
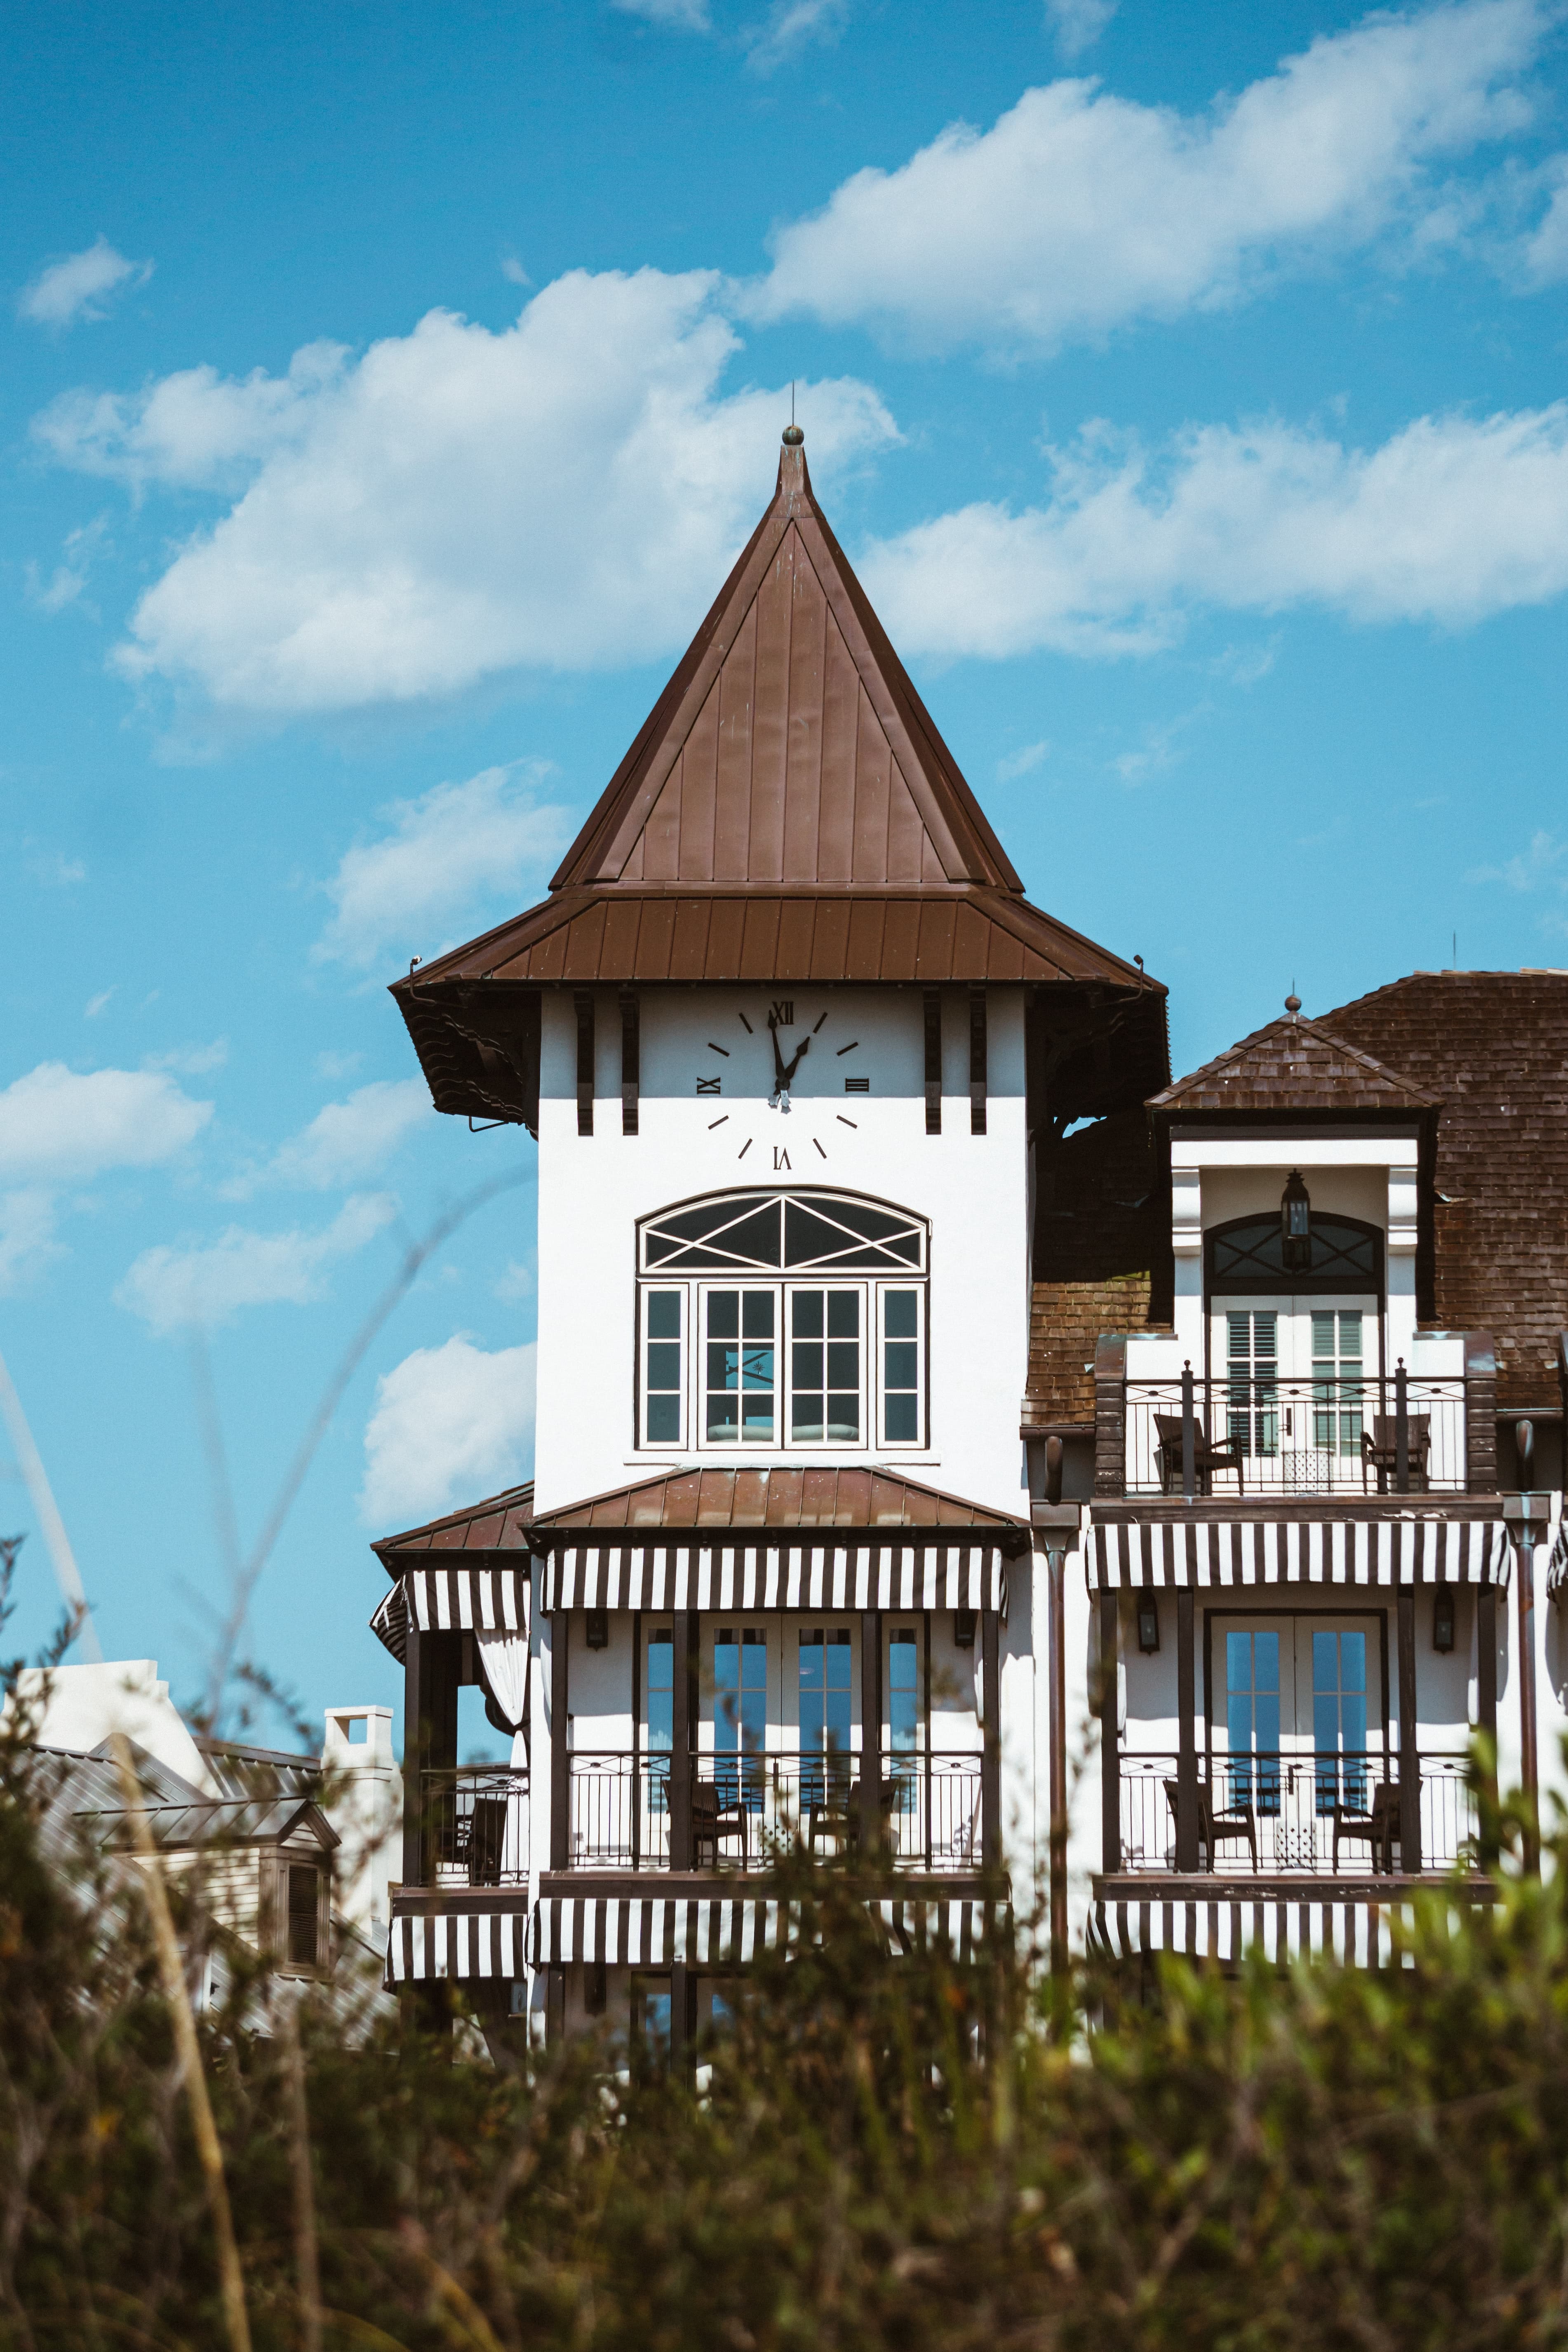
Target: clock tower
<point>789,1037</point>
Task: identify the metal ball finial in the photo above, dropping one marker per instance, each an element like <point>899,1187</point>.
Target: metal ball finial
<point>1292,1004</point>
<point>793,436</point>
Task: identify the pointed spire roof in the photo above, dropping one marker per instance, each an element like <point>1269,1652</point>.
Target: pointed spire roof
<point>1293,1066</point>
<point>790,746</point>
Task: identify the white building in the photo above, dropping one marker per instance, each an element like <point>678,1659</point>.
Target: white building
<point>805,1068</point>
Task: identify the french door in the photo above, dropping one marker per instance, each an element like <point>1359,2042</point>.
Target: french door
<point>1297,1725</point>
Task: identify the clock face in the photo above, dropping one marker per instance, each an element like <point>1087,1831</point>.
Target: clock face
<point>767,1111</point>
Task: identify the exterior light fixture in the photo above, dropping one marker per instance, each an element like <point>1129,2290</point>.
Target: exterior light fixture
<point>598,1629</point>
<point>1147,1622</point>
<point>964,1628</point>
<point>1443,1617</point>
<point>1296,1224</point>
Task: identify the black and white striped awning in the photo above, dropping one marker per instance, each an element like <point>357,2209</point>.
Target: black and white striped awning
<point>1357,1932</point>
<point>862,1574</point>
<point>1236,1552</point>
<point>644,1932</point>
<point>453,1599</point>
<point>1557,1565</point>
<point>457,1944</point>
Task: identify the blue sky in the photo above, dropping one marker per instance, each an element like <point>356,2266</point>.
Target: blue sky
<point>387,390</point>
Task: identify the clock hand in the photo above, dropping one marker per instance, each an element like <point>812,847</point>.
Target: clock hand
<point>803,1047</point>
<point>781,1076</point>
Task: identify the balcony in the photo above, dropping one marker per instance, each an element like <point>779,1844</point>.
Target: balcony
<point>1276,1815</point>
<point>624,1814</point>
<point>1266,1438</point>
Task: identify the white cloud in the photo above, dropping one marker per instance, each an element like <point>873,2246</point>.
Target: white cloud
<point>456,503</point>
<point>206,1283</point>
<point>80,285</point>
<point>1543,865</point>
<point>516,1284</point>
<point>27,1236</point>
<point>1450,521</point>
<point>1080,211</point>
<point>333,1064</point>
<point>789,26</point>
<point>347,1141</point>
<point>1545,250</point>
<point>450,1425</point>
<point>99,1004</point>
<point>67,581</point>
<point>456,847</point>
<point>71,1125</point>
<point>683,16</point>
<point>1077,25</point>
<point>191,1061</point>
<point>1021,762</point>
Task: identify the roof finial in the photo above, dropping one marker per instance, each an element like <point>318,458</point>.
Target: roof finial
<point>792,436</point>
<point>1293,1002</point>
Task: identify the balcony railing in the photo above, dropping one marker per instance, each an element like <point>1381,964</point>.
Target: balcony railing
<point>476,1826</point>
<point>744,1808</point>
<point>1315,1815</point>
<point>1272,1435</point>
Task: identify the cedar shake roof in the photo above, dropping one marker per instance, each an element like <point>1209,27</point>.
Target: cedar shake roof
<point>1492,1047</point>
<point>1294,1066</point>
<point>1066,1319</point>
<point>788,812</point>
<point>500,1523</point>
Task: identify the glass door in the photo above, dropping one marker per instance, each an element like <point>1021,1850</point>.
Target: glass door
<point>740,1715</point>
<point>826,1717</point>
<point>1287,1388</point>
<point>1297,1728</point>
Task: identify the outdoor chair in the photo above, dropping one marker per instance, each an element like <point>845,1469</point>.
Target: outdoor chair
<point>1237,1826</point>
<point>1207,1458</point>
<point>487,1838</point>
<point>1379,1450</point>
<point>713,1822</point>
<point>1378,1827</point>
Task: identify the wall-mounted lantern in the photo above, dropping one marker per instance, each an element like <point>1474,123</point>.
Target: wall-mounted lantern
<point>1147,1622</point>
<point>1296,1223</point>
<point>964,1628</point>
<point>1443,1617</point>
<point>598,1629</point>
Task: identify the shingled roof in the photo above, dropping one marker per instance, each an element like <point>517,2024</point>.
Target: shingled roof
<point>1294,1066</point>
<point>788,812</point>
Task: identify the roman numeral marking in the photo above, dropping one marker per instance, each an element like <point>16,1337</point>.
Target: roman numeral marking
<point>708,1086</point>
<point>781,1157</point>
<point>782,1012</point>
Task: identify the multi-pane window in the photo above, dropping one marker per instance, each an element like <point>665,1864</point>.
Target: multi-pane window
<point>904,1689</point>
<point>1252,1374</point>
<point>659,1708</point>
<point>1337,1393</point>
<point>1339,1717</point>
<point>816,1338</point>
<point>824,1367</point>
<point>740,1711</point>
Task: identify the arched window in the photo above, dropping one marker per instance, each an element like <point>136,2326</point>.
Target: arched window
<point>1248,1255</point>
<point>781,1321</point>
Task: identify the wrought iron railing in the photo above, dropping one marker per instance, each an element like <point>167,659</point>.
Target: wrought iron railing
<point>744,1808</point>
<point>1269,1434</point>
<point>1320,1815</point>
<point>476,1826</point>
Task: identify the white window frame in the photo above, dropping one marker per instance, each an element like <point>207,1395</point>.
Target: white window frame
<point>682,1291</point>
<point>923,1370</point>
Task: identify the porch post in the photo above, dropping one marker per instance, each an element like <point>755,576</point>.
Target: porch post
<point>1109,1739</point>
<point>870,1732</point>
<point>1409,1748</point>
<point>1485,1683</point>
<point>991,1734</point>
<point>1186,1738</point>
<point>683,1713</point>
<point>560,1754</point>
<point>1525,1514</point>
<point>415,1742</point>
<point>1055,1559</point>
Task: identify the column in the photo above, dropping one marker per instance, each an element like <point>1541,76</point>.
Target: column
<point>1186,1738</point>
<point>1109,1738</point>
<point>871,1733</point>
<point>1409,1747</point>
<point>991,1737</point>
<point>1486,1687</point>
<point>682,1740</point>
<point>560,1752</point>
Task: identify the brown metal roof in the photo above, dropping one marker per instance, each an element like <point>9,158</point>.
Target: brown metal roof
<point>681,933</point>
<point>789,1496</point>
<point>790,744</point>
<point>1293,1066</point>
<point>500,1523</point>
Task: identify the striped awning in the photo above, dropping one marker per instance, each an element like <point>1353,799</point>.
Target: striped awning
<point>1557,1565</point>
<point>457,1944</point>
<point>644,1932</point>
<point>453,1599</point>
<point>1236,1552</point>
<point>864,1574</point>
<point>1357,1932</point>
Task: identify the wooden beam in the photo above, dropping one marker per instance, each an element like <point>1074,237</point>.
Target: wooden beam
<point>559,1751</point>
<point>1186,1737</point>
<point>977,1060</point>
<point>991,1737</point>
<point>631,1059</point>
<point>1109,1738</point>
<point>582,998</point>
<point>1409,1743</point>
<point>933,1060</point>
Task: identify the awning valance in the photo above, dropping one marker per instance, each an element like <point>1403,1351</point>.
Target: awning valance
<point>1355,1932</point>
<point>1235,1552</point>
<point>864,1574</point>
<point>457,1945</point>
<point>454,1600</point>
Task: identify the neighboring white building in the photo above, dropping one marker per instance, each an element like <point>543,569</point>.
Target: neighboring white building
<point>805,1068</point>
